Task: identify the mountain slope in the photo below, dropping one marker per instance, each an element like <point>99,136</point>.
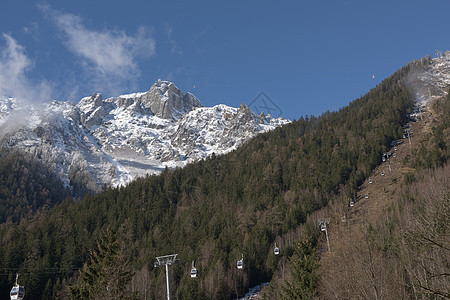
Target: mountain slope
<point>388,242</point>
<point>219,209</point>
<point>225,206</point>
<point>398,236</point>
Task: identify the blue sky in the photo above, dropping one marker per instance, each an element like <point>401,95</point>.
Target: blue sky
<point>306,57</point>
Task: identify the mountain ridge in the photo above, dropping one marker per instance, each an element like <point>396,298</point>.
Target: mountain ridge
<point>111,141</point>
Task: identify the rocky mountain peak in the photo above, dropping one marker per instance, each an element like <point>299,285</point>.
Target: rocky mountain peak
<point>166,101</point>
<point>245,114</point>
<point>88,103</point>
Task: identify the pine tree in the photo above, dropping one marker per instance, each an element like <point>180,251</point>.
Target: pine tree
<point>303,266</point>
<point>108,273</point>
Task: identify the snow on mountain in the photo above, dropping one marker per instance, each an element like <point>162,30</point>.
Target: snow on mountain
<point>110,141</point>
<point>217,129</point>
<point>433,80</point>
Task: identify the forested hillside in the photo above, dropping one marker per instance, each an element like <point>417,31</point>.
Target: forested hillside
<point>216,210</point>
<point>395,244</point>
<point>26,186</point>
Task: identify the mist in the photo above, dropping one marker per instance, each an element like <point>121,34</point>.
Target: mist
<point>14,82</point>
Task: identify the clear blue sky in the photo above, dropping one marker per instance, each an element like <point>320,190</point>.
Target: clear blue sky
<point>307,56</point>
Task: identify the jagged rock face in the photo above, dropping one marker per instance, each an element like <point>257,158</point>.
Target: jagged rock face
<point>219,129</point>
<point>110,141</point>
<point>166,101</point>
<point>93,110</point>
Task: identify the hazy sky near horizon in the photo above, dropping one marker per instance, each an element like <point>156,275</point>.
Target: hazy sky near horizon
<point>290,58</point>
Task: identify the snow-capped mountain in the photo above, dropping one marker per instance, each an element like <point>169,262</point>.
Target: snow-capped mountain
<point>110,141</point>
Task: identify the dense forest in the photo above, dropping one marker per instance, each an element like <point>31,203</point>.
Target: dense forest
<point>26,186</point>
<point>213,212</point>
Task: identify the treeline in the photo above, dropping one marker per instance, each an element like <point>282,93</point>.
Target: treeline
<point>216,210</point>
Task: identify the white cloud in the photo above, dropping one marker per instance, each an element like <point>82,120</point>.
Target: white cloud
<point>14,81</point>
<point>112,54</point>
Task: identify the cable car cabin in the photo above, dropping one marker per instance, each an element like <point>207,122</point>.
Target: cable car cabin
<point>17,292</point>
<point>382,173</point>
<point>240,264</point>
<point>370,180</point>
<point>367,196</point>
<point>352,203</point>
<point>276,250</point>
<point>194,273</point>
<point>322,227</point>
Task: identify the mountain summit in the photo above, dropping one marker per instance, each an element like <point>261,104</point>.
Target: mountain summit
<point>110,141</point>
<point>166,101</point>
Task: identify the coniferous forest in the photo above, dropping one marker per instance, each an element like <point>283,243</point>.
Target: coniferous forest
<point>26,186</point>
<point>213,212</point>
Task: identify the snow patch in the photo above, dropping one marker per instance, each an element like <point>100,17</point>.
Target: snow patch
<point>253,292</point>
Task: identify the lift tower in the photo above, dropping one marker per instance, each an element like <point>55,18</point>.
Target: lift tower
<point>323,227</point>
<point>167,260</point>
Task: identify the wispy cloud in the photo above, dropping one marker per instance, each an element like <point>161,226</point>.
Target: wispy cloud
<point>110,54</point>
<point>32,28</point>
<point>172,42</point>
<point>200,47</point>
<point>14,82</point>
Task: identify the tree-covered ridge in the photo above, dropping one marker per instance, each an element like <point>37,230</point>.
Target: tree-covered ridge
<point>219,208</point>
<point>26,186</point>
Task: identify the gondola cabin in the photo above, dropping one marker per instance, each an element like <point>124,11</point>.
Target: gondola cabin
<point>18,291</point>
<point>194,271</point>
<point>276,250</point>
<point>240,263</point>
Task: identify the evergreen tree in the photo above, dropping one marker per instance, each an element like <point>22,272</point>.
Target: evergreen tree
<point>108,273</point>
<point>303,266</point>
